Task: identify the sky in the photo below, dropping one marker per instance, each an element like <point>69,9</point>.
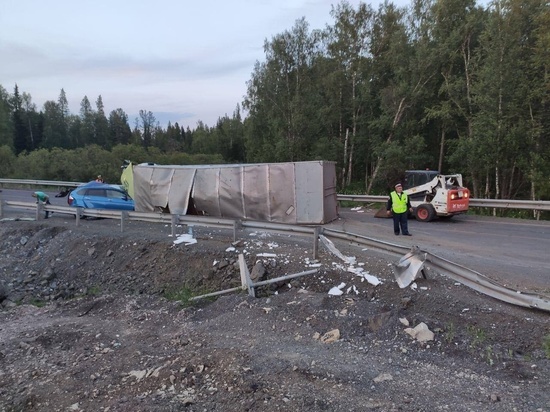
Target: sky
<point>184,61</point>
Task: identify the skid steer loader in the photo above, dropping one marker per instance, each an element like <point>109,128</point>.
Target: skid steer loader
<point>435,195</point>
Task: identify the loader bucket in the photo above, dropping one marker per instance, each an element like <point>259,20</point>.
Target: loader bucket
<point>409,267</point>
<point>381,212</point>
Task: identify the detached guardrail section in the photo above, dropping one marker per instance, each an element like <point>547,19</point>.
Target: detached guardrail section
<point>465,276</point>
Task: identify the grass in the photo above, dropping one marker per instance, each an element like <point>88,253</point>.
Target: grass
<point>478,336</point>
<point>183,295</point>
<point>490,355</point>
<point>38,303</point>
<point>450,332</point>
<point>546,346</point>
<point>94,291</point>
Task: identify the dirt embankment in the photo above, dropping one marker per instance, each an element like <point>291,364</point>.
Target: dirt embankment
<point>87,324</point>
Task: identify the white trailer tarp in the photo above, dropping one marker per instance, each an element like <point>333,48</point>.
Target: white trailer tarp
<point>294,192</point>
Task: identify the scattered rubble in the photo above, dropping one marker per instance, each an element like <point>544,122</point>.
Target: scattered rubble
<point>104,330</point>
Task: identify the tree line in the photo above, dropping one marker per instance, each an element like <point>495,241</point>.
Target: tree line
<point>442,84</point>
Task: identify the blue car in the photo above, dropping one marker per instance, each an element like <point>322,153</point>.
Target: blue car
<point>95,195</point>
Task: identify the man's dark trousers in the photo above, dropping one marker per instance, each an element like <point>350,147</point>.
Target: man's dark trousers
<point>400,219</point>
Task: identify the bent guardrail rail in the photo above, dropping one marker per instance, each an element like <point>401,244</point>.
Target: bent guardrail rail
<point>461,274</point>
<point>465,276</point>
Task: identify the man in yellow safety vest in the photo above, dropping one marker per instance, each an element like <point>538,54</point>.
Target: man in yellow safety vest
<point>399,205</point>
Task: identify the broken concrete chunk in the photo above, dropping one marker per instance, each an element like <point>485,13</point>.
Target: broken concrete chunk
<point>258,272</point>
<point>335,291</point>
<point>331,336</point>
<point>383,377</point>
<point>421,332</point>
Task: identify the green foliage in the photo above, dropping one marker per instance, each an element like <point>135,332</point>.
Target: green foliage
<point>450,333</point>
<point>135,153</point>
<point>477,335</point>
<point>182,295</point>
<point>6,126</point>
<point>546,346</point>
<point>7,161</point>
<point>93,290</point>
<point>490,355</point>
<point>79,165</point>
<point>355,188</point>
<point>38,303</point>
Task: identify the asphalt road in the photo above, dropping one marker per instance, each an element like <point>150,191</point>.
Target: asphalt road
<point>513,252</point>
<point>25,196</point>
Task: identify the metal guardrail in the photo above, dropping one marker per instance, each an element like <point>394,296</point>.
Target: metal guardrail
<point>542,205</point>
<point>538,205</point>
<point>465,276</point>
<point>363,198</point>
<point>34,182</point>
<point>156,217</point>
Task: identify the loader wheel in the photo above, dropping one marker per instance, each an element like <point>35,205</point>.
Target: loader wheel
<point>425,213</point>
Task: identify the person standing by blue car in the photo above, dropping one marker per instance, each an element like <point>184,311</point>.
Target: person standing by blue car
<point>44,198</point>
<point>399,206</point>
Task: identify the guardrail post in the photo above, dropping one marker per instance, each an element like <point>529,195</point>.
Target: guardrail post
<point>78,215</point>
<point>237,225</point>
<point>317,231</point>
<point>246,282</point>
<point>123,220</point>
<point>174,219</point>
<point>39,208</point>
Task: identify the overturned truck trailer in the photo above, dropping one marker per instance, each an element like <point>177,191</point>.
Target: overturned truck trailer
<point>294,192</point>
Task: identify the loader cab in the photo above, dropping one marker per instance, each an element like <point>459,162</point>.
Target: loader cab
<point>415,178</point>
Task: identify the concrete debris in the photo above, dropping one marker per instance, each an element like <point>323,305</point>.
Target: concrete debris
<point>420,332</point>
<point>337,290</point>
<point>186,238</point>
<point>383,377</point>
<point>258,272</point>
<point>331,336</point>
<point>139,375</point>
<point>330,246</point>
